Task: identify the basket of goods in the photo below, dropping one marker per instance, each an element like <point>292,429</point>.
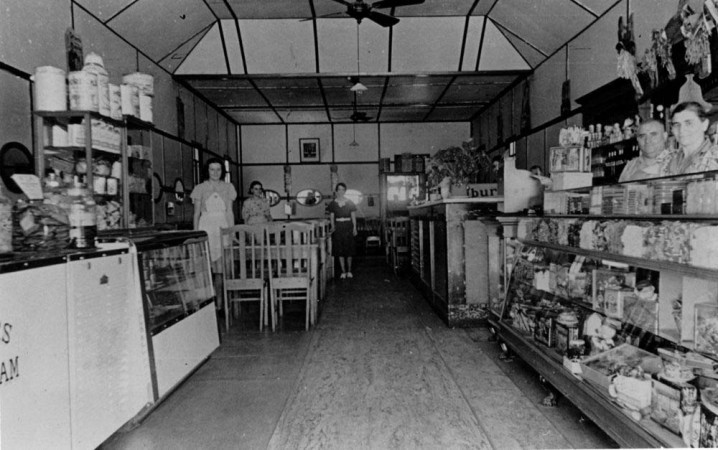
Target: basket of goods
<point>625,360</point>
<point>39,227</point>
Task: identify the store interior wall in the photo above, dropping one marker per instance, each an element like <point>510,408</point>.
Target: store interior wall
<point>267,148</point>
<point>261,150</point>
<point>588,62</point>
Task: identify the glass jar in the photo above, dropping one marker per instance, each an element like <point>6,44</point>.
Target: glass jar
<point>82,216</point>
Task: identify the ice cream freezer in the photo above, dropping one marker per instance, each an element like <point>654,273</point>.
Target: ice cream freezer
<point>74,361</point>
<point>179,303</point>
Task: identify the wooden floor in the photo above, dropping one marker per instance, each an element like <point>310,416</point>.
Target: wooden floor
<point>379,371</point>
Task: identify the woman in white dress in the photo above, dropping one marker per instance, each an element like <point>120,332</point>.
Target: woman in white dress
<point>212,201</point>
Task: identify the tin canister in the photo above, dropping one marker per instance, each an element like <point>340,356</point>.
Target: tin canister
<point>146,107</point>
<point>83,91</point>
<point>130,100</point>
<point>143,81</point>
<point>115,101</point>
<point>50,89</point>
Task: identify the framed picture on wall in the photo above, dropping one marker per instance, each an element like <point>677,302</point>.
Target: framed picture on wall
<point>309,150</point>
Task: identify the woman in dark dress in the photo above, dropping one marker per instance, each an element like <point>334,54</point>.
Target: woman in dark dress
<point>342,213</point>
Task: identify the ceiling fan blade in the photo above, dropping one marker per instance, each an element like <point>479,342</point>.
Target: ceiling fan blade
<point>382,19</point>
<point>324,16</point>
<point>345,3</point>
<point>395,3</point>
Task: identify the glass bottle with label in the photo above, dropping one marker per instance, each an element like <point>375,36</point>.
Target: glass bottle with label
<point>83,221</point>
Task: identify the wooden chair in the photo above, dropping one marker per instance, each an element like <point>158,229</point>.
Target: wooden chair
<point>245,274</point>
<point>293,262</point>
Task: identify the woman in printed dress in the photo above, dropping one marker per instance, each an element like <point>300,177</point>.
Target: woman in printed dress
<point>255,208</point>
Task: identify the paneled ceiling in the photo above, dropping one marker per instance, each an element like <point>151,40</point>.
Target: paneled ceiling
<point>295,61</point>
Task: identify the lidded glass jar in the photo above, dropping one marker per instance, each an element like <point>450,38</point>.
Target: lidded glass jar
<point>82,216</point>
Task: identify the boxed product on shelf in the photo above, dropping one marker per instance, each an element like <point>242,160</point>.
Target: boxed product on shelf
<point>565,159</point>
<point>639,199</point>
<point>570,180</point>
<point>564,334</point>
<point>666,406</point>
<point>708,437</point>
<point>544,330</point>
<point>704,246</point>
<point>604,279</point>
<point>642,313</point>
<point>600,369</point>
<point>633,393</point>
<point>613,300</point>
<point>706,328</point>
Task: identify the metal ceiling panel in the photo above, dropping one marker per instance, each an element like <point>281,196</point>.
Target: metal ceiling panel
<point>234,98</point>
<point>303,115</point>
<point>287,92</point>
<point>219,82</point>
<point>207,57</point>
<point>343,115</point>
<point>427,45</point>
<point>104,9</point>
<point>473,41</point>
<point>497,53</point>
<point>437,8</point>
<point>453,113</point>
<point>337,90</point>
<point>160,26</point>
<point>270,9</point>
<point>254,116</point>
<point>478,93</point>
<point>404,114</point>
<point>412,90</point>
<point>547,24</point>
<point>278,46</point>
<point>337,40</point>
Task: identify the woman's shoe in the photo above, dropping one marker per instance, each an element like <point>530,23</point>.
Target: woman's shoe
<point>342,276</point>
<point>349,275</point>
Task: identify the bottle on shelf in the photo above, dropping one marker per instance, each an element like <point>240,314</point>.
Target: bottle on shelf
<point>82,216</point>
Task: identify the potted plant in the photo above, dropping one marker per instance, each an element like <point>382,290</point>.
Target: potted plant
<point>455,167</point>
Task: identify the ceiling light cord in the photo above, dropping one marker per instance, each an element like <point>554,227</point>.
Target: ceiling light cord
<point>358,70</point>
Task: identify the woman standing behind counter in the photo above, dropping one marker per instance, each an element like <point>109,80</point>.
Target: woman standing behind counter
<point>342,214</point>
<point>696,153</point>
<point>255,208</point>
<point>212,201</point>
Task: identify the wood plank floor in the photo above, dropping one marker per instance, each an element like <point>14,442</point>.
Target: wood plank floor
<point>380,370</point>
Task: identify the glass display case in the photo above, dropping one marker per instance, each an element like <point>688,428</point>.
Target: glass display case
<point>177,281</point>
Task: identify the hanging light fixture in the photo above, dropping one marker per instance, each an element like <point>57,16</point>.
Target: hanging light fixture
<point>354,142</point>
<point>358,87</point>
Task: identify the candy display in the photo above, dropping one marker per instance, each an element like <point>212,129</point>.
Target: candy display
<point>40,227</point>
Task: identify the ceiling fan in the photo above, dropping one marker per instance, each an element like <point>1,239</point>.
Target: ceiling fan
<point>361,10</point>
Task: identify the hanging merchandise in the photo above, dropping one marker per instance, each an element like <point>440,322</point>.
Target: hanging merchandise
<point>692,92</point>
<point>626,48</point>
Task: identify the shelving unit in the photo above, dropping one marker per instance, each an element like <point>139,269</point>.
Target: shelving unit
<point>547,282</point>
<point>64,158</point>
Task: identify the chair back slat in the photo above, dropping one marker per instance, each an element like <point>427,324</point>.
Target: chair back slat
<point>244,252</point>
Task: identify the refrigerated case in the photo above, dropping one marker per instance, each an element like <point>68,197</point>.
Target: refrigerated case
<point>179,301</point>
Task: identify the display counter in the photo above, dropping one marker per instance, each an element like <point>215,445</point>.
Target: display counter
<point>178,297</point>
<point>455,250</point>
<point>74,363</point>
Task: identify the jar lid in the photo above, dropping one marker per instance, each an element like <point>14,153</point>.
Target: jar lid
<point>94,59</point>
